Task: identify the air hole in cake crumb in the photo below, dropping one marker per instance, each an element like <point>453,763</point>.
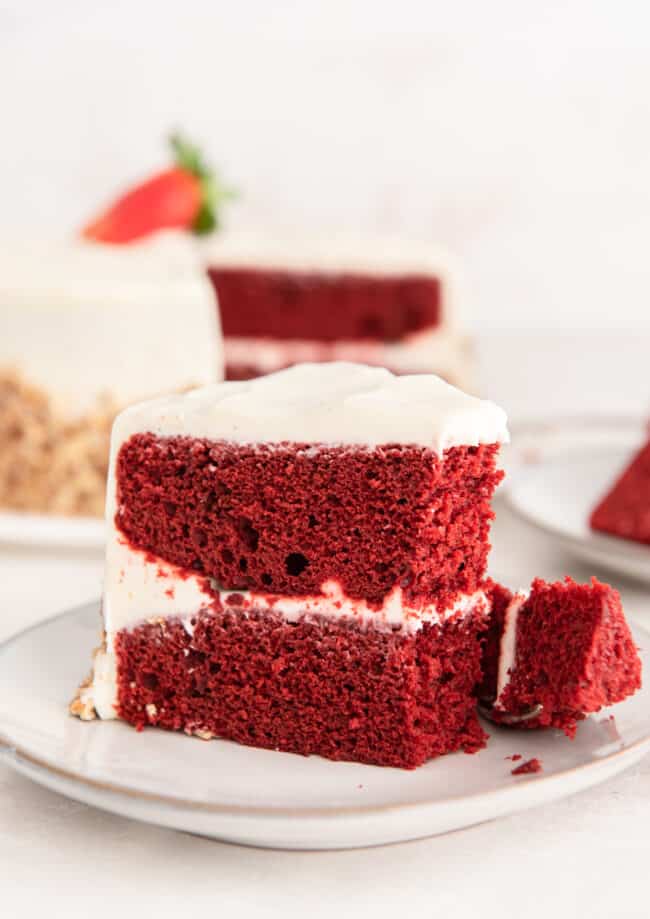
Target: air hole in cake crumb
<point>312,521</point>
<point>295,563</point>
<point>248,533</point>
<point>243,564</point>
<point>200,537</point>
<point>150,681</point>
<point>222,490</point>
<point>227,556</point>
<point>214,667</point>
<point>267,579</point>
<point>170,508</point>
<point>194,659</point>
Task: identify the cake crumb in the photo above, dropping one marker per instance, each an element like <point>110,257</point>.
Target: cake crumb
<point>514,757</point>
<point>82,705</point>
<point>530,766</point>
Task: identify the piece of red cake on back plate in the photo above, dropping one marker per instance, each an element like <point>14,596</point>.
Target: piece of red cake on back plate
<point>557,653</point>
<point>297,563</point>
<point>625,510</point>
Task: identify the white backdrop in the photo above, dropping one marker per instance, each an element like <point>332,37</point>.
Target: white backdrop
<point>515,133</point>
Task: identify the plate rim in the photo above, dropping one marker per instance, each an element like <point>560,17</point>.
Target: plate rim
<point>79,532</point>
<point>12,754</point>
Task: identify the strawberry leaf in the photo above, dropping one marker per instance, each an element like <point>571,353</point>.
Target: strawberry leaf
<point>188,157</point>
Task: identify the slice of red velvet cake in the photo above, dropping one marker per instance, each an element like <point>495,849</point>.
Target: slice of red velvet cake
<point>625,509</point>
<point>557,653</point>
<point>297,563</point>
<point>381,302</point>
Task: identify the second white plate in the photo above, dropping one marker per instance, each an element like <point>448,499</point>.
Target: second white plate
<point>558,493</point>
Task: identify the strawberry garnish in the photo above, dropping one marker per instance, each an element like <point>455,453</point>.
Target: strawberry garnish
<point>187,196</point>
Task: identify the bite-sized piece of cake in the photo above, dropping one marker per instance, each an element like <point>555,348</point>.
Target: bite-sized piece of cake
<point>557,653</point>
<point>297,562</point>
<point>625,509</point>
<point>87,330</point>
<point>380,302</point>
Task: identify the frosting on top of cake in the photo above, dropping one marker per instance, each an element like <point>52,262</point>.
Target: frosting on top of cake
<point>84,322</point>
<point>333,254</point>
<point>67,273</point>
<point>332,403</point>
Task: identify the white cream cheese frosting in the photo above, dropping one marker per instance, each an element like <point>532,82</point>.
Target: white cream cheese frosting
<point>141,587</point>
<point>508,644</point>
<point>332,403</point>
<point>82,320</point>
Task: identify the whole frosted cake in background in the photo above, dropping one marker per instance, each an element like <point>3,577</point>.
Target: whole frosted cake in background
<point>87,330</point>
<point>376,301</point>
<point>384,302</point>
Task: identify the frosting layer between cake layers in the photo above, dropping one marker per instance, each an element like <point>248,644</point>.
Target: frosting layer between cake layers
<point>442,350</point>
<point>140,586</point>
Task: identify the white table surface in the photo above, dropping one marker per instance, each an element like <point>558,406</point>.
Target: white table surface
<point>587,855</point>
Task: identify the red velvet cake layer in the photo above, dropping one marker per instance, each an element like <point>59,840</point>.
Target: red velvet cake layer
<point>286,518</point>
<point>312,687</point>
<point>574,654</point>
<point>625,510</point>
<point>326,307</point>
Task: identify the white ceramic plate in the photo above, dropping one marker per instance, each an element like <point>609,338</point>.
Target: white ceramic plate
<point>259,797</point>
<point>52,531</point>
<point>558,494</point>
